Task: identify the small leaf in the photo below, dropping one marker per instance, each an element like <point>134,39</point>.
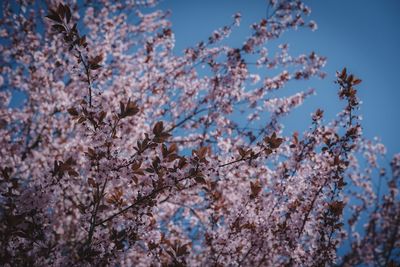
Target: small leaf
<point>102,208</point>
<point>164,150</point>
<point>102,115</point>
<point>70,161</point>
<point>172,157</point>
<point>72,111</point>
<point>341,183</point>
<point>136,165</point>
<point>82,41</point>
<point>339,225</point>
<point>131,109</point>
<point>96,59</point>
<point>54,16</point>
<point>152,245</point>
<point>255,189</point>
<point>139,172</point>
<point>182,250</point>
<point>91,182</point>
<point>200,180</point>
<point>343,74</point>
<point>95,66</point>
<point>61,10</point>
<point>81,119</point>
<point>150,170</point>
<point>242,152</point>
<point>67,13</point>
<point>72,172</point>
<point>122,108</point>
<point>91,153</point>
<point>336,207</point>
<point>173,148</point>
<point>158,128</point>
<point>58,28</point>
<point>350,78</point>
<point>201,152</point>
<point>273,141</point>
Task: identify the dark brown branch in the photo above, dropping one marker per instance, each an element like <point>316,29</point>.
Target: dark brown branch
<point>93,223</point>
<point>139,201</point>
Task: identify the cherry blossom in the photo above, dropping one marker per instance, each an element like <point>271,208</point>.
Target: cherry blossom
<point>123,153</point>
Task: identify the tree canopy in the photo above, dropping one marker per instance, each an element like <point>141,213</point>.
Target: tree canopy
<point>122,153</point>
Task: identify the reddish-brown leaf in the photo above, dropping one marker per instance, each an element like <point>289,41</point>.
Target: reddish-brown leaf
<point>255,189</point>
<point>73,112</point>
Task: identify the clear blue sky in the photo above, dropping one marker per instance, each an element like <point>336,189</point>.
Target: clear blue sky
<point>363,35</point>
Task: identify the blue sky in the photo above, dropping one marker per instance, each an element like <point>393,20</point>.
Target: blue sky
<point>363,35</point>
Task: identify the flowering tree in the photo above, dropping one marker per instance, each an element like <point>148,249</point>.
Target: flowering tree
<point>126,154</point>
